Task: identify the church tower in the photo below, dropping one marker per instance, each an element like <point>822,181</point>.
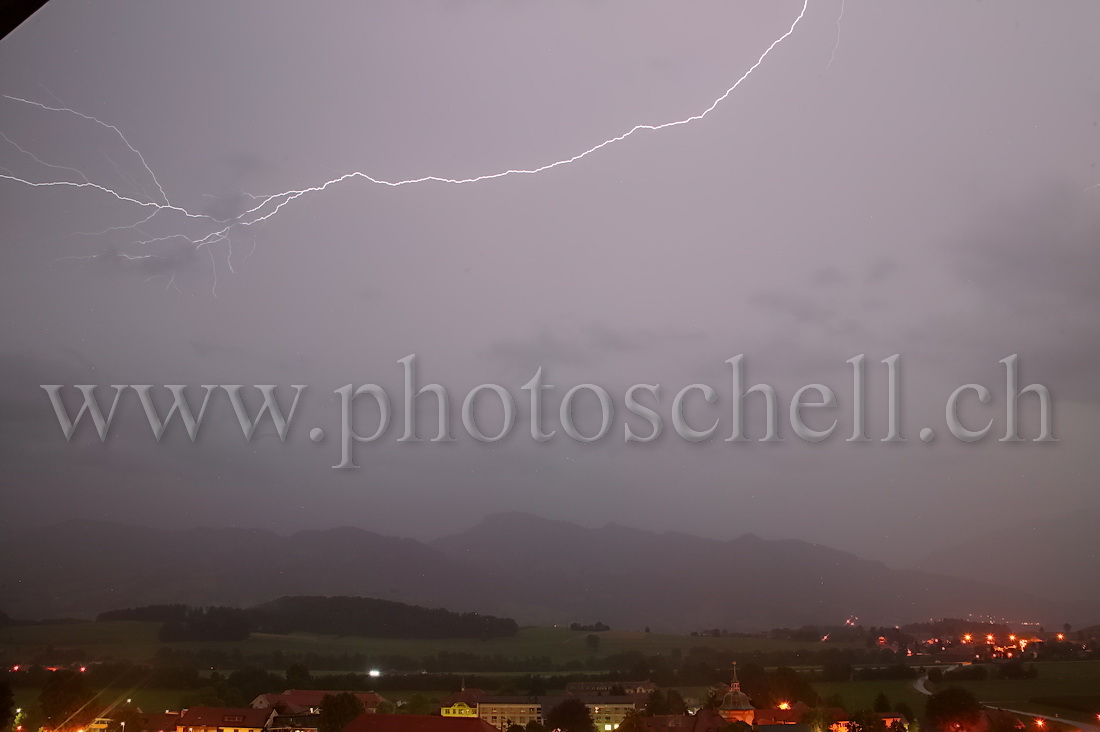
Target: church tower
<point>736,706</point>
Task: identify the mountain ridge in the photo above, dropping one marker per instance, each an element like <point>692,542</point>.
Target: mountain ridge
<point>537,570</point>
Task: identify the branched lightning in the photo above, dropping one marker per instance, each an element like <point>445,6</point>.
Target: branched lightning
<point>836,46</point>
<point>103,124</point>
<point>263,208</point>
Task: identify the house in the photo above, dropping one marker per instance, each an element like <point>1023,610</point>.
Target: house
<point>782,727</point>
<point>705,720</point>
<point>416,723</point>
<point>607,711</point>
<point>164,722</point>
<point>458,709</point>
<point>224,719</point>
<point>304,722</point>
<point>504,711</point>
<point>891,720</point>
<point>461,700</point>
<point>784,714</point>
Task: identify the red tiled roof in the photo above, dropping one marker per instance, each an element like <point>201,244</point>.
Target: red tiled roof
<point>297,700</point>
<point>661,722</point>
<point>705,720</point>
<point>223,717</point>
<point>417,723</point>
<point>467,696</point>
<point>793,715</point>
<point>165,722</point>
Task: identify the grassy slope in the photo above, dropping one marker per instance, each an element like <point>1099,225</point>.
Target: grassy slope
<point>1071,678</point>
<point>138,641</point>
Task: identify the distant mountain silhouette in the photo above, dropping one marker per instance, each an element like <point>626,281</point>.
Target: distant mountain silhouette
<point>512,565</point>
<point>1054,557</point>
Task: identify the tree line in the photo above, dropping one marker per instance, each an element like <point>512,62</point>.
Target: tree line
<point>359,616</point>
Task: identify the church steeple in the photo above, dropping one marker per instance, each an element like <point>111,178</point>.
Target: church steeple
<point>735,704</point>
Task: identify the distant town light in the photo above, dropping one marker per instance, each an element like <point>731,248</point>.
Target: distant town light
<point>1061,636</point>
<point>374,673</point>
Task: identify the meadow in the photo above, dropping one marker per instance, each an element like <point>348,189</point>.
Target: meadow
<point>137,641</point>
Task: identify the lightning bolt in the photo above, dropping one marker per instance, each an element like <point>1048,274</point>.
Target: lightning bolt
<point>836,46</point>
<point>263,208</point>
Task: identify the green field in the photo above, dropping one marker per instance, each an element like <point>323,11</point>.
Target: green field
<point>138,642</point>
<point>1056,679</point>
<point>861,694</point>
<point>1060,678</point>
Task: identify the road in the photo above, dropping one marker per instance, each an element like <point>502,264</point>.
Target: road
<point>921,685</point>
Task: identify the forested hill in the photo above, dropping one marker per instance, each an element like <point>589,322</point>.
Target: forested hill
<point>361,616</point>
<point>377,619</point>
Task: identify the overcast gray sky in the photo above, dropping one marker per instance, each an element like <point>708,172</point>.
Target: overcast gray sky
<point>907,177</point>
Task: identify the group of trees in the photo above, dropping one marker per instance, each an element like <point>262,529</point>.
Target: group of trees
<point>208,624</point>
<point>147,614</point>
<point>337,710</point>
<point>7,703</point>
<point>767,688</point>
<point>374,618</point>
<point>953,709</point>
<point>66,703</point>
